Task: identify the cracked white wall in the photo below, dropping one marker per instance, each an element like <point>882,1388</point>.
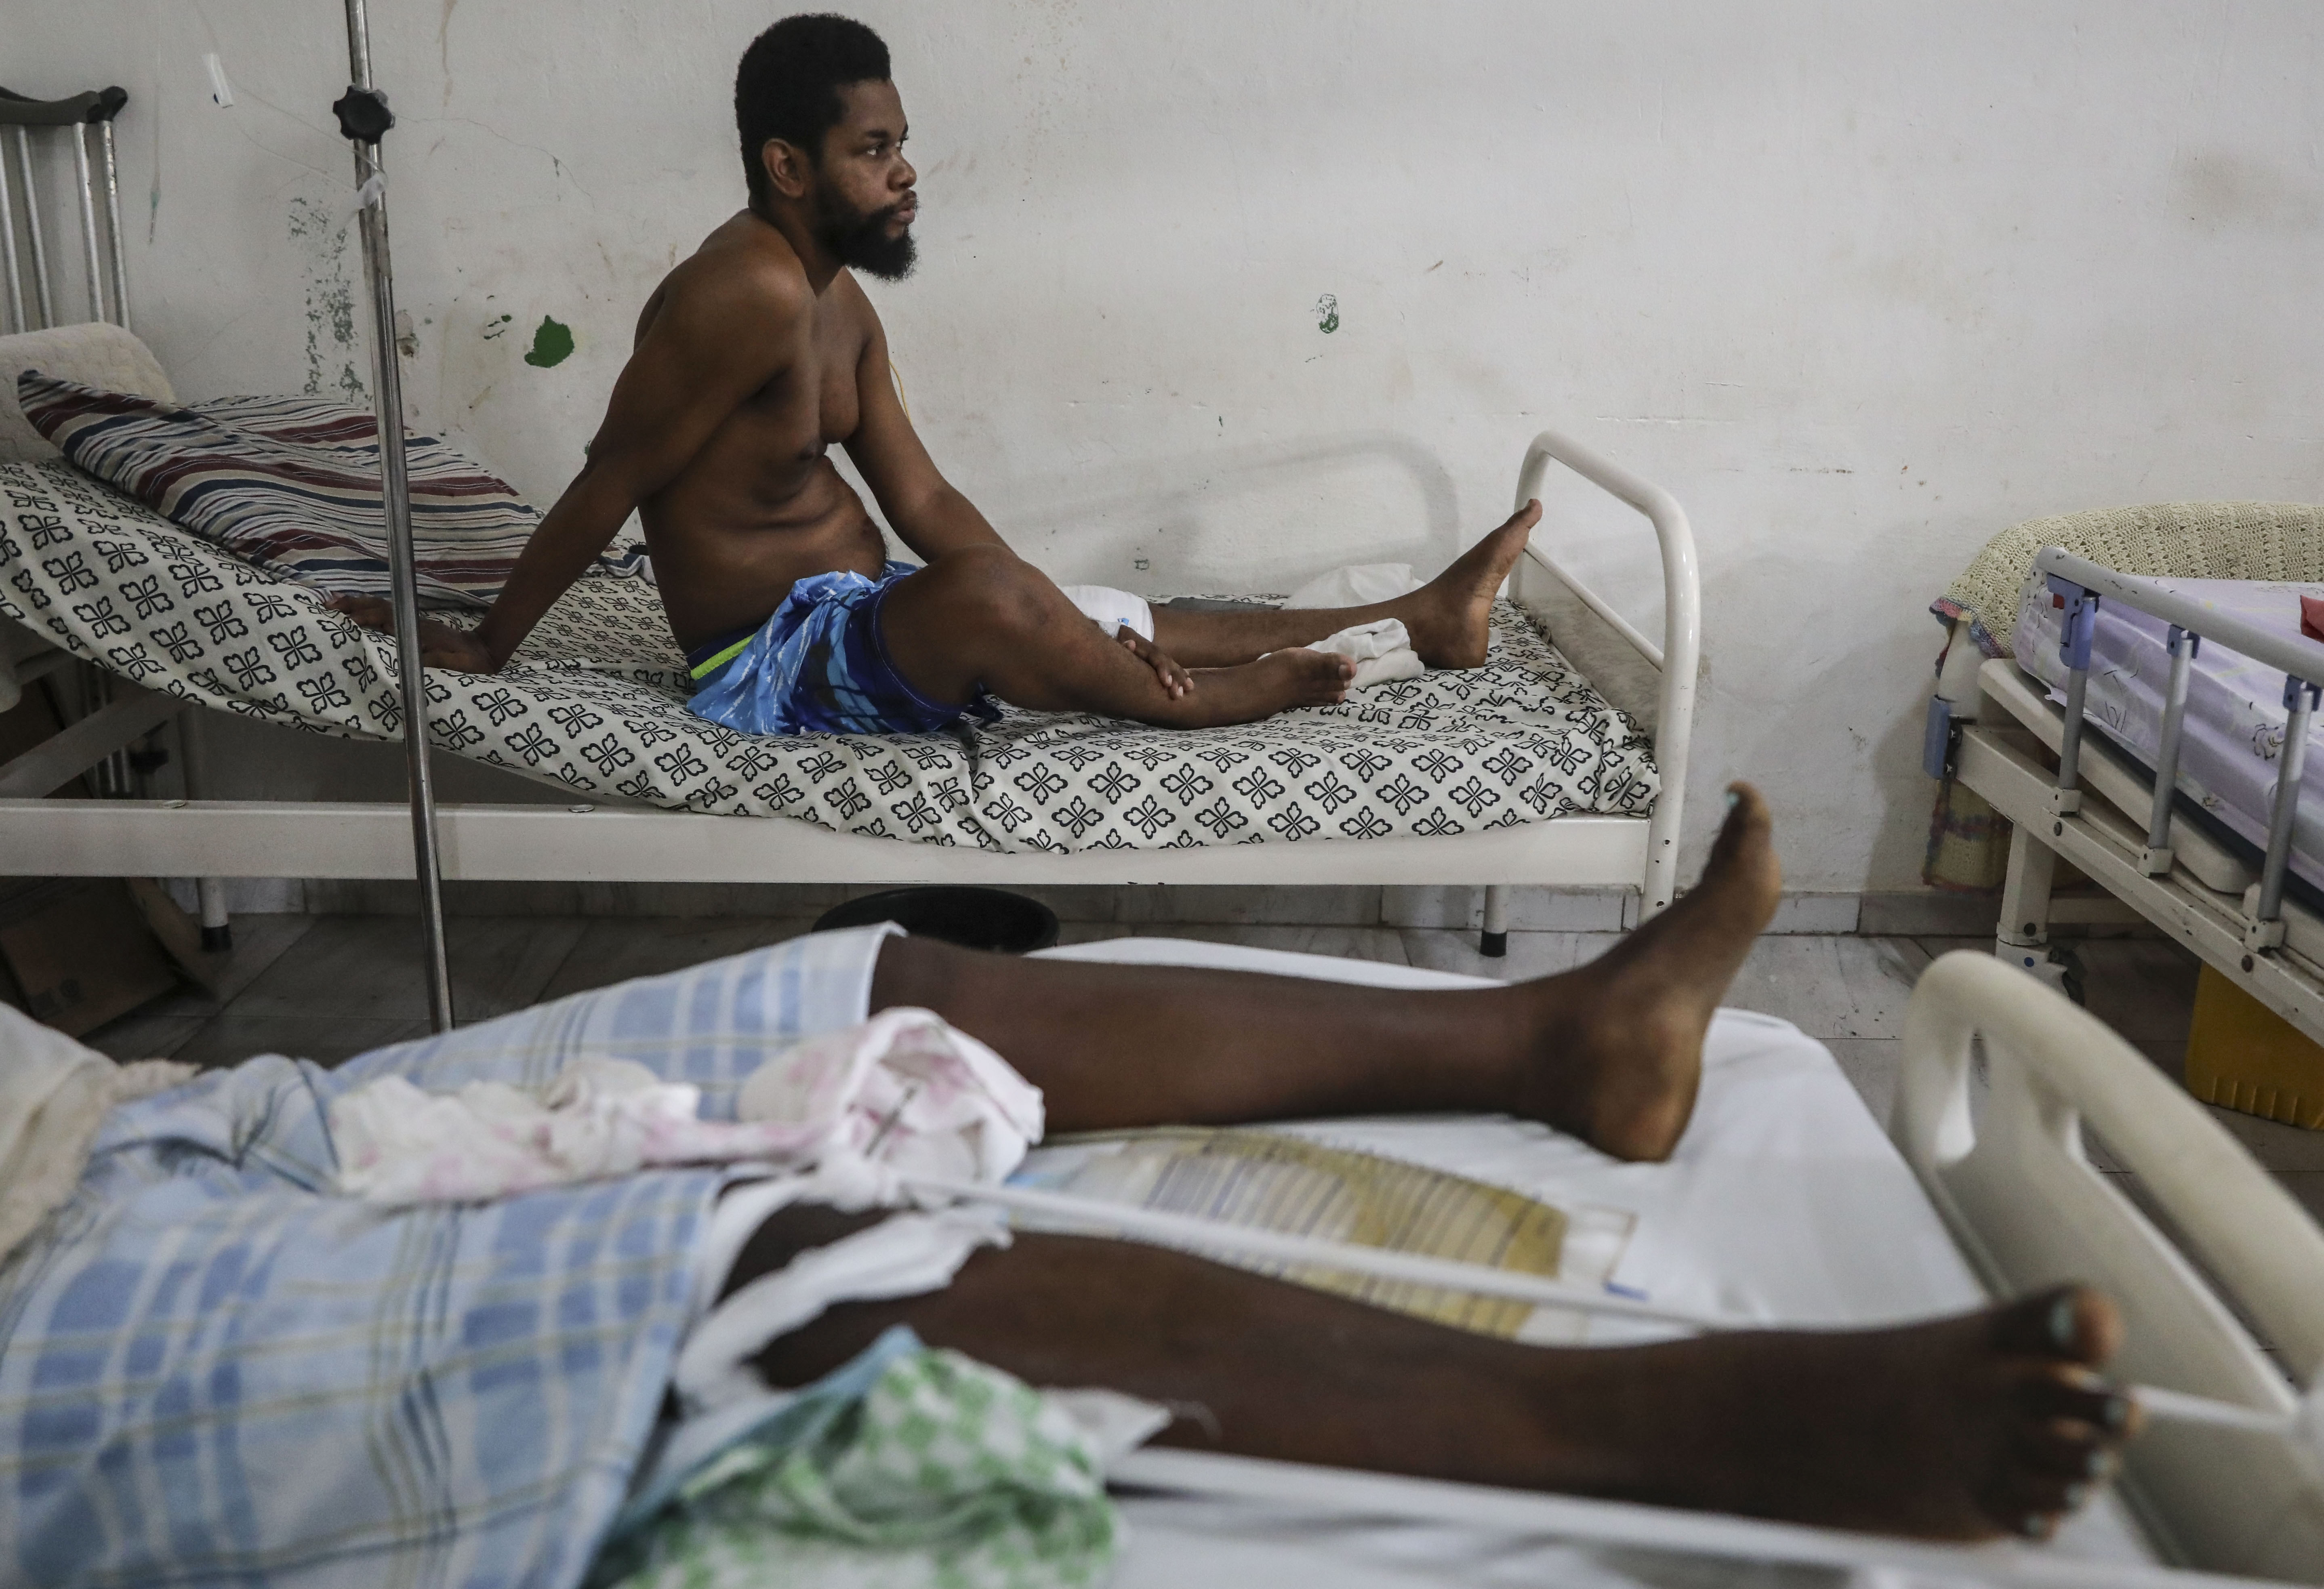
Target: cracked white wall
<point>1861,284</point>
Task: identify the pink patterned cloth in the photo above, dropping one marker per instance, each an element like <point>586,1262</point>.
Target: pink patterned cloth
<point>903,1091</point>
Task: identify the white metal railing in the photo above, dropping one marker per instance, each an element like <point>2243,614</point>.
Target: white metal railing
<point>1678,657</point>
<point>2078,585</point>
<point>70,119</point>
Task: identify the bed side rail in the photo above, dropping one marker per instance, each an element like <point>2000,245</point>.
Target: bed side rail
<point>2004,1166</point>
<point>2078,585</point>
<point>1655,683</point>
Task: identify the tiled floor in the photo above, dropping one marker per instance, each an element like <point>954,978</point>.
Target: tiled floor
<point>326,987</point>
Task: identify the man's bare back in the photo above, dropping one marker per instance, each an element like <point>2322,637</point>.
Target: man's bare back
<point>760,352</point>
<point>761,505</point>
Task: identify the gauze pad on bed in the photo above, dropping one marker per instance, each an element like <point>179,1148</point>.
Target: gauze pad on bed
<point>1382,653</point>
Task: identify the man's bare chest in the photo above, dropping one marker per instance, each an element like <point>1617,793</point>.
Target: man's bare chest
<point>817,396</point>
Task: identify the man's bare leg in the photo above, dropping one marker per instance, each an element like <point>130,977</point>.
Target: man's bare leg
<point>1446,618</point>
<point>1611,1052</point>
<point>1957,1429</point>
<point>982,616</point>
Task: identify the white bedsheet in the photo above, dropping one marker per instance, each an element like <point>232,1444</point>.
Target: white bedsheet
<point>1784,1202</point>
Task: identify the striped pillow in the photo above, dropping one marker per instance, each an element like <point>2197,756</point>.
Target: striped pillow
<point>291,484</point>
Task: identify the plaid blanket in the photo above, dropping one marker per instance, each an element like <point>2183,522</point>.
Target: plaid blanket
<point>214,1371</point>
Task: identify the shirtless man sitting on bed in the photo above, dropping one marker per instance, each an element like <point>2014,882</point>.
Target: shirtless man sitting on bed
<point>757,355</point>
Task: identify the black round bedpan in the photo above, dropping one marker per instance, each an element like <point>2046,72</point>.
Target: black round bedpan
<point>974,918</point>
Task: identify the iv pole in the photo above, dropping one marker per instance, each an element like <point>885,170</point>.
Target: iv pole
<point>363,118</point>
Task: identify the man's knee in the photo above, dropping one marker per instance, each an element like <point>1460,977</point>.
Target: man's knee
<point>993,588</point>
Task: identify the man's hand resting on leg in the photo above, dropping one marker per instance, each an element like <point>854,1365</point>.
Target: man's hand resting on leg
<point>440,645</point>
<point>1175,680</point>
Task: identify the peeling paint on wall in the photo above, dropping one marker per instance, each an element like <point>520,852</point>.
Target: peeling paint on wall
<point>552,344</point>
<point>332,365</point>
<point>1327,313</point>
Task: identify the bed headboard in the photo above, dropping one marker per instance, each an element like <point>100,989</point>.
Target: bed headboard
<point>2004,1166</point>
<point>1655,683</point>
<point>58,126</point>
<point>1610,658</point>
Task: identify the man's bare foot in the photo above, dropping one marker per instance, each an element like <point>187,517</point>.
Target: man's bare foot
<point>1277,681</point>
<point>1990,1423</point>
<point>1627,1028</point>
<point>1449,617</point>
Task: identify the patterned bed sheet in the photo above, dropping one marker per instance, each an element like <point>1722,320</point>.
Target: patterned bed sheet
<point>594,700</point>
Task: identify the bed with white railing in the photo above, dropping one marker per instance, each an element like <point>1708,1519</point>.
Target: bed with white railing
<point>2086,773</point>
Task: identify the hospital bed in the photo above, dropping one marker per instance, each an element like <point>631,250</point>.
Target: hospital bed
<point>1782,1204</point>
<point>1560,765</point>
<point>2121,737</point>
<point>1786,1204</point>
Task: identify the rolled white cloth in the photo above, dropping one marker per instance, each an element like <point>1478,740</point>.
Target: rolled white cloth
<point>903,1091</point>
<point>1113,609</point>
<point>1381,651</point>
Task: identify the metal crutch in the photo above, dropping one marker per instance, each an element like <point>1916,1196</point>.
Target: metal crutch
<point>364,118</point>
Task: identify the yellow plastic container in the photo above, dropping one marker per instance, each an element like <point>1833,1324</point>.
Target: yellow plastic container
<point>2244,1056</point>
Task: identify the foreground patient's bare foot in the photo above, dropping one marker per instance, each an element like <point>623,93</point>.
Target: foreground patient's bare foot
<point>1277,681</point>
<point>1964,1429</point>
<point>1449,617</point>
<point>1626,1029</point>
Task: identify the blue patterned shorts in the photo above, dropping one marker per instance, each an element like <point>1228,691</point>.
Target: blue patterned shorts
<point>819,666</point>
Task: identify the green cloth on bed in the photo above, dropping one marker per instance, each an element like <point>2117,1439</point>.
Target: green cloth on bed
<point>942,1474</point>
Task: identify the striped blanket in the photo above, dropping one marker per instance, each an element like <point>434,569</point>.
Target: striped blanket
<point>214,1371</point>
<point>291,484</point>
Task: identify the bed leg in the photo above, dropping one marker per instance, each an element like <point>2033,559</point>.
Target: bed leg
<point>1493,942</point>
<point>2022,937</point>
<point>217,929</point>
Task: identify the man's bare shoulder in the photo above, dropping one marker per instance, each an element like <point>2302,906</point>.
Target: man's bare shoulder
<point>744,277</point>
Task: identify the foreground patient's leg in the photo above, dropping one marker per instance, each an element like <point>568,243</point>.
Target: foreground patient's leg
<point>984,617</point>
<point>1611,1052</point>
<point>1446,618</point>
<point>1963,1427</point>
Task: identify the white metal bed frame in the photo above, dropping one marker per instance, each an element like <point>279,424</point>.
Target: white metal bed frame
<point>607,841</point>
<point>2127,837</point>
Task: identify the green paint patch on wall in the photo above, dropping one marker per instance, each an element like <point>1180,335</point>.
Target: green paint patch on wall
<point>552,344</point>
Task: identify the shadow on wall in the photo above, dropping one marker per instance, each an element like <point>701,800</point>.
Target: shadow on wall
<point>1197,514</point>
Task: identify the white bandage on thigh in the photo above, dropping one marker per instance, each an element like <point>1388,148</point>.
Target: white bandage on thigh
<point>1115,609</point>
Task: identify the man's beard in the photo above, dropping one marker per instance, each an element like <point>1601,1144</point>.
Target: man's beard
<point>864,244</point>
